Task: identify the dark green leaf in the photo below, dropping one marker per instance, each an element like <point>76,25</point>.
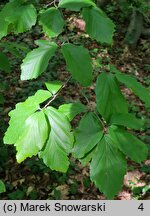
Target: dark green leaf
<point>4,63</point>
<point>127,120</point>
<point>129,144</point>
<point>52,22</point>
<point>109,98</point>
<point>87,135</point>
<point>79,63</point>
<point>108,168</point>
<point>98,25</point>
<point>137,88</point>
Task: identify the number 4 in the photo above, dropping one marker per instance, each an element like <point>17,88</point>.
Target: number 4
<point>141,207</point>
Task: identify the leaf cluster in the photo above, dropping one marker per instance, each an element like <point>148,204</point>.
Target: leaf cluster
<point>102,136</point>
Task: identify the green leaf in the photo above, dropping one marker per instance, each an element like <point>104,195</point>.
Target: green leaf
<point>23,18</point>
<point>109,98</point>
<point>33,137</point>
<point>87,158</point>
<point>72,109</point>
<point>3,24</point>
<point>17,17</point>
<point>37,60</point>
<point>53,86</point>
<point>75,5</point>
<point>52,22</point>
<point>129,144</point>
<point>108,168</point>
<point>137,88</point>
<point>2,187</point>
<point>127,120</point>
<point>4,63</point>
<point>60,141</point>
<point>19,115</point>
<point>98,25</point>
<point>87,135</point>
<point>79,63</point>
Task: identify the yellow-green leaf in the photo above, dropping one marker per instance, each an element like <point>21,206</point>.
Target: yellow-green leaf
<point>60,141</point>
<point>22,111</point>
<point>33,136</point>
<point>37,60</point>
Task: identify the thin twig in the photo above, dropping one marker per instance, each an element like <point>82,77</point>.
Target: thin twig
<point>55,3</point>
<point>104,127</point>
<point>57,93</point>
<point>52,3</point>
<point>87,100</point>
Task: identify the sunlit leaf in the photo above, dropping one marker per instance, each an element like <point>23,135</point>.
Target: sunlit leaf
<point>37,60</point>
<point>19,115</point>
<point>53,86</point>
<point>33,137</point>
<point>72,109</point>
<point>60,142</point>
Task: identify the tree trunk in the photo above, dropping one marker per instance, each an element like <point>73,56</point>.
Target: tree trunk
<point>135,29</point>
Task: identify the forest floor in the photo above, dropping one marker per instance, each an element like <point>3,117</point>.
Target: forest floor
<point>32,179</point>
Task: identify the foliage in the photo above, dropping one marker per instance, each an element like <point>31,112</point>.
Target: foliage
<point>102,136</point>
<point>37,60</point>
<point>13,17</point>
<point>141,5</point>
<point>96,20</point>
<point>80,70</point>
<point>52,22</point>
<point>5,66</point>
<point>2,187</point>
